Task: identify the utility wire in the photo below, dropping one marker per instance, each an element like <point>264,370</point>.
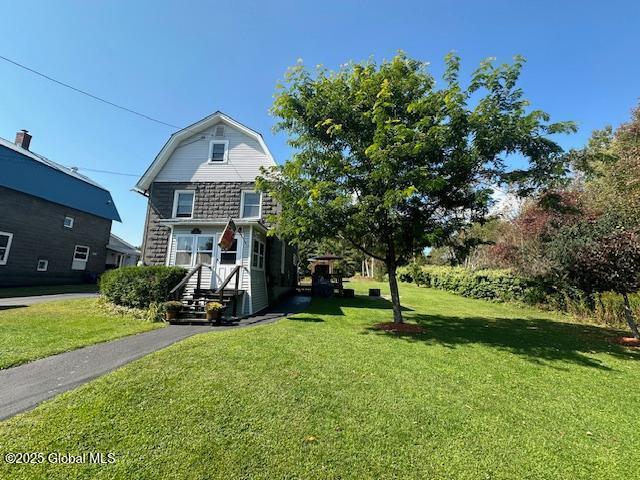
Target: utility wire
<point>95,97</point>
<point>104,171</point>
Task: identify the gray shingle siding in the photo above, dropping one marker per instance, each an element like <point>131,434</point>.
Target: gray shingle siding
<point>38,233</point>
<point>213,200</point>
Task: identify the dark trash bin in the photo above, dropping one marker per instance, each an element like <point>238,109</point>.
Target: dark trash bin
<point>374,292</point>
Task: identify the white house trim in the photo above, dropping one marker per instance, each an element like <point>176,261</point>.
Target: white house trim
<point>242,205</point>
<point>175,202</point>
<point>225,157</point>
<point>163,156</point>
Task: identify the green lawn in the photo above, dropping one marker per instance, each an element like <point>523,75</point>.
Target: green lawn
<point>6,292</point>
<point>36,331</point>
<point>489,391</point>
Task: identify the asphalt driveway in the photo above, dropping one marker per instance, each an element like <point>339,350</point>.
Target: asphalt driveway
<point>25,386</point>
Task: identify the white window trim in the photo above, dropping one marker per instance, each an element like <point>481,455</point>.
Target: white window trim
<point>46,265</point>
<point>264,255</point>
<point>238,252</point>
<point>225,158</point>
<point>75,251</point>
<point>193,246</point>
<point>242,205</point>
<point>8,248</point>
<point>64,223</point>
<point>175,203</point>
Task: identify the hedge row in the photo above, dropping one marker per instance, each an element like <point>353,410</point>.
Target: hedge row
<point>493,285</point>
<point>139,287</point>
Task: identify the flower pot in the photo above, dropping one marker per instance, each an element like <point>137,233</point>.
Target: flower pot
<point>171,315</point>
<point>215,316</point>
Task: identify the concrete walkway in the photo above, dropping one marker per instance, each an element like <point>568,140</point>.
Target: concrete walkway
<point>25,301</point>
<point>25,386</point>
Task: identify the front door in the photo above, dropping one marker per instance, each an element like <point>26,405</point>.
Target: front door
<point>226,261</point>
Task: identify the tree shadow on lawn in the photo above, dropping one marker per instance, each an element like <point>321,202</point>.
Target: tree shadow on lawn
<point>334,306</point>
<point>538,340</point>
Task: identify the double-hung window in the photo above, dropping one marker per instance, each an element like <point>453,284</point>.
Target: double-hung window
<point>257,257</point>
<point>250,205</point>
<point>5,246</point>
<point>218,151</point>
<point>80,258</point>
<point>183,203</point>
<point>184,250</point>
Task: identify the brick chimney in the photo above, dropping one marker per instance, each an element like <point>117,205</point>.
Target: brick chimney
<point>23,139</point>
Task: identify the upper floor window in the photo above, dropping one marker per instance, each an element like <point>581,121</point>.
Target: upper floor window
<point>250,205</point>
<point>5,246</point>
<point>68,222</point>
<point>183,203</point>
<point>218,151</point>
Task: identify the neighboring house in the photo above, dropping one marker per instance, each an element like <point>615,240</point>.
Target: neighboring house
<point>203,176</point>
<point>54,222</point>
<point>121,253</point>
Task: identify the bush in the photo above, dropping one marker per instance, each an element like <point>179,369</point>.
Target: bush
<point>493,285</point>
<point>139,287</point>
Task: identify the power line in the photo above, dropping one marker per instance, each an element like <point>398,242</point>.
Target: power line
<point>104,171</point>
<point>83,92</point>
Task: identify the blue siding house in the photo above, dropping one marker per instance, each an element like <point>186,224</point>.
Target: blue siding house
<point>54,222</point>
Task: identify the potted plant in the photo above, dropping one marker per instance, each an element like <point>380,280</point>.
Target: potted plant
<point>172,309</point>
<point>214,311</point>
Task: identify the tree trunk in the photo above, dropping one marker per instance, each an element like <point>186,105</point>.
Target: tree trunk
<point>395,294</point>
<point>628,314</point>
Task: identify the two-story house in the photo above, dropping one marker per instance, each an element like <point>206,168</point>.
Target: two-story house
<point>54,222</point>
<point>203,177</point>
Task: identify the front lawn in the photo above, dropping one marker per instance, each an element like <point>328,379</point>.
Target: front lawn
<point>489,391</point>
<point>36,331</point>
<point>6,292</point>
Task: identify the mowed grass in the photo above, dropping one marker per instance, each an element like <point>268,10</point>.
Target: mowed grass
<point>40,330</point>
<point>489,391</point>
<point>6,292</point>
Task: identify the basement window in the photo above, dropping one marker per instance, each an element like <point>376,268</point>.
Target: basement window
<point>43,265</point>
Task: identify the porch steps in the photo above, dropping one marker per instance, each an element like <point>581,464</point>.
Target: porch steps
<point>194,302</point>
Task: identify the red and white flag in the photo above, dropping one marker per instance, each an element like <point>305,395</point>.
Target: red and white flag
<point>226,239</point>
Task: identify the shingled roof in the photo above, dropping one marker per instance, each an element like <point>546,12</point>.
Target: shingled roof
<point>28,172</point>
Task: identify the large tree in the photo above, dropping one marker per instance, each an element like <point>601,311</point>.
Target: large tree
<point>392,164</point>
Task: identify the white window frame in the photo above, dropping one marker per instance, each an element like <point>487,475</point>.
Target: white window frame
<point>176,194</point>
<point>258,255</point>
<point>45,266</point>
<point>64,223</point>
<point>3,261</point>
<point>242,195</point>
<point>82,260</point>
<point>225,157</point>
<point>193,247</point>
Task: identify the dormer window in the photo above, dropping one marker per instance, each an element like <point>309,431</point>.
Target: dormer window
<point>183,203</point>
<point>218,151</point>
<point>250,205</point>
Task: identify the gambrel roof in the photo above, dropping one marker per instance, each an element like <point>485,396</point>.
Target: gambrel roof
<point>176,138</point>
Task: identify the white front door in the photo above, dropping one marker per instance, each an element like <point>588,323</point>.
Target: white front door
<point>225,262</point>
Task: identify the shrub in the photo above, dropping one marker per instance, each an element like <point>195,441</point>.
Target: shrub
<point>139,287</point>
<point>493,285</point>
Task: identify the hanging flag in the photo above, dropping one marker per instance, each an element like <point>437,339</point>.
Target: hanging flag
<point>226,239</point>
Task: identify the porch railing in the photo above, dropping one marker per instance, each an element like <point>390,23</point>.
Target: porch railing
<point>177,291</point>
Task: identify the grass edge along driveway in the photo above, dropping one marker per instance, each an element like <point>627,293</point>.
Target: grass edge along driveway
<point>31,332</point>
<point>489,391</point>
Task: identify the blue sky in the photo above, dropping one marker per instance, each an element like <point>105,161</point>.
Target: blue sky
<point>180,61</point>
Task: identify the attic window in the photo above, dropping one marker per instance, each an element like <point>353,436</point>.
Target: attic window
<point>219,133</point>
<point>218,151</point>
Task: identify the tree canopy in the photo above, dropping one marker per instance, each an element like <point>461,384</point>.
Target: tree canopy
<point>389,162</point>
